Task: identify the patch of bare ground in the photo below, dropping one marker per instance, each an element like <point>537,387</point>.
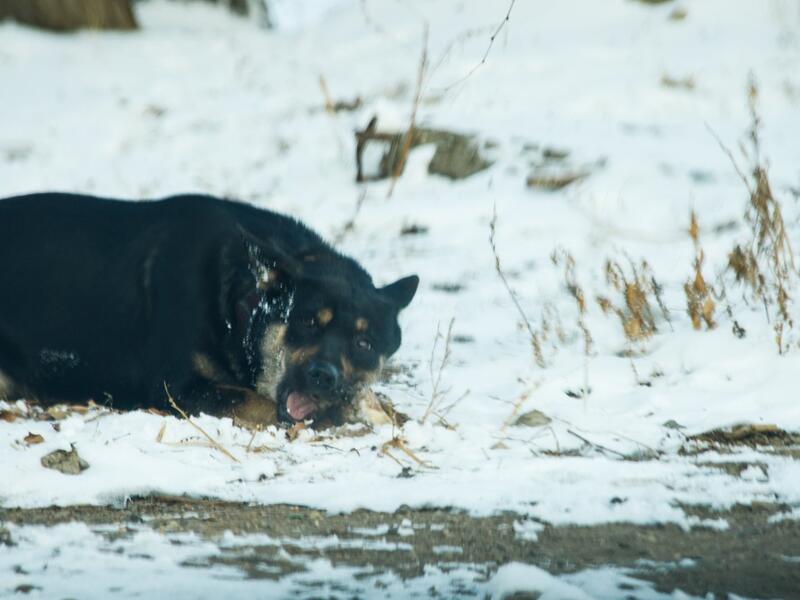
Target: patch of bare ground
<point>750,558</point>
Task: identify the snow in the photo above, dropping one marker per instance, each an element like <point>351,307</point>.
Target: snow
<point>200,101</point>
<point>62,559</point>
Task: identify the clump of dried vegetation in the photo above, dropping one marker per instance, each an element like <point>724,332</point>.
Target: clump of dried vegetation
<point>764,264</point>
<point>638,291</point>
<point>565,259</point>
<point>699,302</point>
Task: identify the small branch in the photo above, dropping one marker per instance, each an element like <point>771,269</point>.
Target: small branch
<point>436,374</point>
<point>351,222</point>
<point>488,49</point>
<point>326,95</point>
<point>595,445</point>
<point>211,440</point>
<point>728,152</point>
<point>518,403</point>
<point>537,346</point>
<point>412,126</point>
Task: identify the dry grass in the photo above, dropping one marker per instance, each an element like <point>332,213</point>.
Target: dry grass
<point>214,443</point>
<point>559,258</point>
<point>699,303</point>
<point>634,309</point>
<point>764,264</point>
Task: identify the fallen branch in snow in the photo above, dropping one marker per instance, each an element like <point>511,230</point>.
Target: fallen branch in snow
<point>412,126</point>
<point>399,444</point>
<point>214,443</point>
<point>492,38</point>
<point>595,444</point>
<point>535,341</point>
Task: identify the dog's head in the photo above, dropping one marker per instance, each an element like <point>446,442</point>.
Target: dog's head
<point>337,331</point>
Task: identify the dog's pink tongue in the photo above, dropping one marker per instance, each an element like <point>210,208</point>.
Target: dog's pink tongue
<point>300,406</point>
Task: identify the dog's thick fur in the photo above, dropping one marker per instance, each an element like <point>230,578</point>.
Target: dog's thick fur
<point>218,301</point>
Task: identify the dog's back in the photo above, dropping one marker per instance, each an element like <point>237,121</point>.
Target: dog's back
<point>102,296</point>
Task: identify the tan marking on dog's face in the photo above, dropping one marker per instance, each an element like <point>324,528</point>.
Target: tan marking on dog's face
<point>300,355</point>
<point>362,324</point>
<point>355,375</point>
<point>324,316</point>
<point>273,352</point>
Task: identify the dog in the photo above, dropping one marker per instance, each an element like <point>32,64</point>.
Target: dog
<point>211,304</point>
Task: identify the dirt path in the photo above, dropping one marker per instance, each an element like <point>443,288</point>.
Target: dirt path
<point>753,557</point>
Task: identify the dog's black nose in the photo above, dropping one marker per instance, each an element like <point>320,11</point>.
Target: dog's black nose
<point>323,376</point>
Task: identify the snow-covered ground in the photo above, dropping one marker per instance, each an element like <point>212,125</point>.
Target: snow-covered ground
<point>201,101</point>
<point>62,558</point>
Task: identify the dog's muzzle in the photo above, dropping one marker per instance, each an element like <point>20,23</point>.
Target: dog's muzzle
<point>322,385</point>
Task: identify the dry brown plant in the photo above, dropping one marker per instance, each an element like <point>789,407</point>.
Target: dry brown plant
<point>634,310</point>
<point>562,257</point>
<point>699,302</point>
<point>764,264</point>
<point>412,126</point>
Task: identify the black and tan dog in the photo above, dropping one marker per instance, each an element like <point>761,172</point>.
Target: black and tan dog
<point>227,306</point>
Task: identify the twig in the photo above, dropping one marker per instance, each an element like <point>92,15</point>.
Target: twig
<point>732,158</point>
<point>350,224</point>
<point>515,410</point>
<point>535,342</point>
<point>412,126</point>
<point>252,438</point>
<point>488,49</point>
<point>326,95</point>
<point>436,377</point>
<point>595,445</point>
<point>399,444</point>
<point>211,440</point>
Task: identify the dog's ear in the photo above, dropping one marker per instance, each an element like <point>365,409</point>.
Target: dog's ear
<point>401,292</point>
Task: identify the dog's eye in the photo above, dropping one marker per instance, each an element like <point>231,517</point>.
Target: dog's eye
<point>363,344</point>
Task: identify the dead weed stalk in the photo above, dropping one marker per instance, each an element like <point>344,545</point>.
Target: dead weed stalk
<point>764,264</point>
<point>437,370</point>
<point>210,439</point>
<point>535,338</point>
<point>412,126</point>
<point>634,311</point>
<point>562,257</point>
<point>699,303</point>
